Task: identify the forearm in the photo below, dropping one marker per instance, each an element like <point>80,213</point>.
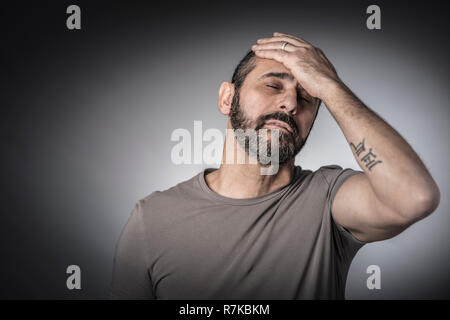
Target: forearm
<point>397,175</point>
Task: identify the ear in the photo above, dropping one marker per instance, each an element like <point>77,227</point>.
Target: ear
<point>226,93</point>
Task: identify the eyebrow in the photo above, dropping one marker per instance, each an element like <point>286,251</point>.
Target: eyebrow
<point>281,75</point>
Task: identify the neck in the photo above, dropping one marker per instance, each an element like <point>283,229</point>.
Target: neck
<point>240,181</point>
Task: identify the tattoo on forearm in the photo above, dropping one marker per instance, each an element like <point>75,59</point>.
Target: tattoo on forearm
<point>369,158</point>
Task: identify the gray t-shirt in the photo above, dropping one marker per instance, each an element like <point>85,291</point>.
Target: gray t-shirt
<point>189,242</point>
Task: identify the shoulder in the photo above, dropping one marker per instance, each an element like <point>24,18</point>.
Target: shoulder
<point>323,175</point>
<point>172,199</point>
<point>334,174</point>
<point>329,172</point>
<point>327,179</point>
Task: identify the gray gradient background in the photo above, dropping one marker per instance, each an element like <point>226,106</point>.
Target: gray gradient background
<point>87,118</point>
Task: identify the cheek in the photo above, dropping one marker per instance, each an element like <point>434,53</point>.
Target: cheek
<point>254,104</point>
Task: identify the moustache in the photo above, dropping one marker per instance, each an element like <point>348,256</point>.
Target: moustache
<point>280,116</point>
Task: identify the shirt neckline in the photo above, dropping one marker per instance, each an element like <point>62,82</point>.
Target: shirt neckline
<point>244,201</point>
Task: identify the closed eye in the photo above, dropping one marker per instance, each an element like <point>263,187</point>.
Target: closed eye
<point>301,98</point>
<point>275,87</point>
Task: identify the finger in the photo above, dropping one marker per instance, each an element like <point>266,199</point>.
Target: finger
<point>282,39</point>
<point>275,45</point>
<point>275,54</point>
<point>300,39</point>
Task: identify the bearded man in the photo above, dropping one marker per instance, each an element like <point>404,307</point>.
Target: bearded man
<point>235,233</point>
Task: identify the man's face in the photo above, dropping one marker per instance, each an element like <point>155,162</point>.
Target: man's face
<point>271,98</point>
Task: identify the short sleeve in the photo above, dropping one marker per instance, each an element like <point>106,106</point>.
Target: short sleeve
<point>131,278</point>
<point>335,177</point>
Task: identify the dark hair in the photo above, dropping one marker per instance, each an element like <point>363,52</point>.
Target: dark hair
<point>245,66</point>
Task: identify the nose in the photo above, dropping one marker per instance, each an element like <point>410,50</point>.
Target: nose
<point>289,103</point>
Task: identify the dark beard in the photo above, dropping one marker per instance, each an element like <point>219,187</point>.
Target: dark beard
<point>289,144</point>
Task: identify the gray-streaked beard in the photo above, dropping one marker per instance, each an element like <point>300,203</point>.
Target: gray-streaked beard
<point>260,147</point>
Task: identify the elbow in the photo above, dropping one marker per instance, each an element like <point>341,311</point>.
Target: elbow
<point>430,201</point>
<point>422,205</point>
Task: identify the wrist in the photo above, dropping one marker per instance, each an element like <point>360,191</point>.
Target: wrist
<point>332,91</point>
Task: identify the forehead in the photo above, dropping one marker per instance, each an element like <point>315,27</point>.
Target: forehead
<point>264,66</point>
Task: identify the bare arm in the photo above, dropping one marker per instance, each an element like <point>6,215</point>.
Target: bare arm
<point>395,189</point>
